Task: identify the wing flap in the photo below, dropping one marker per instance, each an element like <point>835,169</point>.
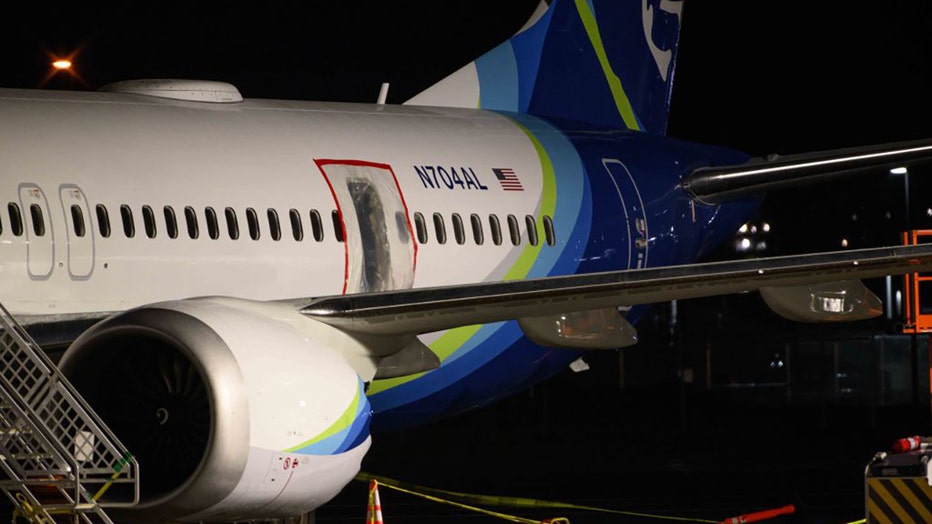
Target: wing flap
<point>432,309</point>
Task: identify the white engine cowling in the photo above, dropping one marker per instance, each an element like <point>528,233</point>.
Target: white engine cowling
<point>232,411</point>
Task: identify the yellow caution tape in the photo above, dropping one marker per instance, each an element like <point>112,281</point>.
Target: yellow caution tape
<point>117,469</point>
<point>508,502</point>
<point>29,512</point>
<point>512,518</point>
<point>27,507</point>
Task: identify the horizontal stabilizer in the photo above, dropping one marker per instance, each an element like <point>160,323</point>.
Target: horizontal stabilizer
<point>842,301</point>
<point>432,309</point>
<point>711,185</point>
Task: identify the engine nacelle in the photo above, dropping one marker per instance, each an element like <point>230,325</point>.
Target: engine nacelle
<point>231,410</point>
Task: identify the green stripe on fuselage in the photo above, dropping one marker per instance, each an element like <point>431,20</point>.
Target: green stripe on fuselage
<point>341,423</point>
<point>453,339</point>
<point>548,204</point>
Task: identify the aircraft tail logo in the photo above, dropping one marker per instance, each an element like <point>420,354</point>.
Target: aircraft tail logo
<point>606,62</point>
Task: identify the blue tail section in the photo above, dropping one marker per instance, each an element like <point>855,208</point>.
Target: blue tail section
<point>606,62</point>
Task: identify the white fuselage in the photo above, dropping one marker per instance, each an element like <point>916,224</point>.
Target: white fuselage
<point>95,152</point>
<point>113,201</point>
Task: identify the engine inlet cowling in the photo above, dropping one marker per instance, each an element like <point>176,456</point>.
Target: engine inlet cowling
<point>214,397</point>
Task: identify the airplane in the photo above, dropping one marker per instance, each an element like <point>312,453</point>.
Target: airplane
<point>248,289</point>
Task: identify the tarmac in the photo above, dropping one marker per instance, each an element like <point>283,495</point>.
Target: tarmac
<point>660,450</point>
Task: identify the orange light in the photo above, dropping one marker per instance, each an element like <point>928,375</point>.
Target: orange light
<point>62,65</point>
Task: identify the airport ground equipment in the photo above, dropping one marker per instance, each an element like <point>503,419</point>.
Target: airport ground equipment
<point>898,486</point>
<point>61,462</point>
<point>918,289</point>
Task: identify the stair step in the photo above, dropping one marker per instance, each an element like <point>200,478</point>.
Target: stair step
<point>46,435</point>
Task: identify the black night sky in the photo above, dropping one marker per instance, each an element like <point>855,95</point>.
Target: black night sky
<point>762,77</point>
<point>769,76</point>
<point>759,76</point>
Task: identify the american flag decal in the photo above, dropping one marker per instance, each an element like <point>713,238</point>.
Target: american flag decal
<point>507,178</point>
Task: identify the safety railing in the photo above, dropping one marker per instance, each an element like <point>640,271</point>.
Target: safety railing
<point>59,457</point>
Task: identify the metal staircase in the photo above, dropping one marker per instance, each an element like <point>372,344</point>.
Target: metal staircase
<point>63,464</point>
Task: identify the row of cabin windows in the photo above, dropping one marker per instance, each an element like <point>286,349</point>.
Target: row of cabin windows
<point>478,230</point>
<point>192,225</point>
<point>172,223</point>
<point>17,226</point>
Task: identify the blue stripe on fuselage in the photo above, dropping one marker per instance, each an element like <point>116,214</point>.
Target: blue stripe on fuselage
<point>571,230</point>
<point>498,360</point>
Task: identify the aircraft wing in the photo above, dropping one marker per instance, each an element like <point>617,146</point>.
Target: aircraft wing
<point>711,185</point>
<point>431,309</point>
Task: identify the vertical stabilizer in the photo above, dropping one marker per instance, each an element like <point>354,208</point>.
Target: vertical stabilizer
<point>607,62</point>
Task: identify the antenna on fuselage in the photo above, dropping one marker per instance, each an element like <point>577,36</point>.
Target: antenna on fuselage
<point>383,94</point>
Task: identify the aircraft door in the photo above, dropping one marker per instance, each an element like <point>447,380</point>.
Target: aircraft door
<point>79,232</point>
<point>380,250</point>
<point>40,244</point>
<point>633,206</point>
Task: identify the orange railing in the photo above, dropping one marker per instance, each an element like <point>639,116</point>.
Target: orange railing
<point>918,317</point>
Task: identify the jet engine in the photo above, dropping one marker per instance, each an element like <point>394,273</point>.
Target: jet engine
<point>232,411</point>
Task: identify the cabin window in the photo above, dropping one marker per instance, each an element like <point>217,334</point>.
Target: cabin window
<point>337,225</point>
<point>297,228</point>
<point>232,223</point>
<point>275,230</point>
<point>420,228</point>
<point>190,220</point>
<point>531,229</point>
<point>103,221</point>
<point>129,224</point>
<point>213,225</point>
<point>514,230</point>
<point>459,232</point>
<point>440,228</point>
<point>38,220</point>
<point>16,219</point>
<point>252,220</point>
<point>317,226</point>
<point>496,227</point>
<point>477,234</point>
<point>171,222</point>
<point>77,220</point>
<point>148,221</point>
<point>549,233</point>
<point>403,227</point>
